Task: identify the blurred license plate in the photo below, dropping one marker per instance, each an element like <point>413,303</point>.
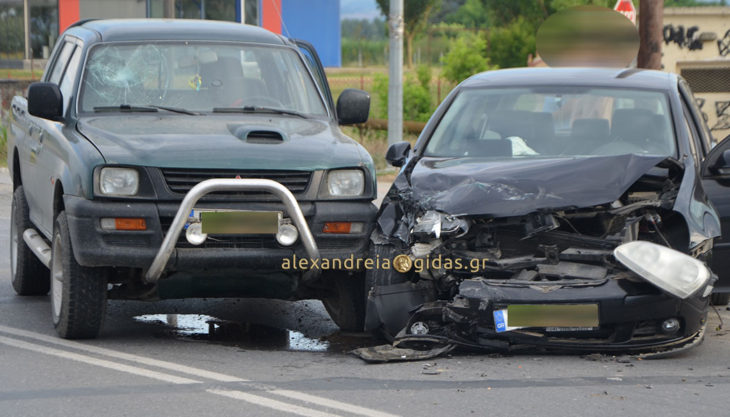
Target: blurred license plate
<point>240,222</point>
<point>553,315</point>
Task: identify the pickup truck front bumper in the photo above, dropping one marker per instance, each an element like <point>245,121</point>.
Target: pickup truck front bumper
<point>96,247</point>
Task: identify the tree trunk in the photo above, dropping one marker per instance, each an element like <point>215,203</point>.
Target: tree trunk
<point>651,14</point>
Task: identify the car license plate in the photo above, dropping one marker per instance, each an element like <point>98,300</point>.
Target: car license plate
<point>547,315</point>
<point>240,222</point>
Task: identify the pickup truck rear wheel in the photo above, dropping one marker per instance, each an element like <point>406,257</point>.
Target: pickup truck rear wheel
<point>28,274</point>
<point>346,306</point>
<point>78,293</point>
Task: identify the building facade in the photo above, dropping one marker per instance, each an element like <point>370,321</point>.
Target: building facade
<point>29,28</point>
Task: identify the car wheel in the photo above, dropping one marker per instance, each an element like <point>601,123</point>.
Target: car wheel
<point>78,293</point>
<point>27,272</point>
<point>720,299</point>
<point>346,306</point>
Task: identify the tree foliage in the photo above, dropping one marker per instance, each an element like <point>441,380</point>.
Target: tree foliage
<point>466,57</point>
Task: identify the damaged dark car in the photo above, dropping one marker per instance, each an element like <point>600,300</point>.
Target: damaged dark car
<point>553,208</point>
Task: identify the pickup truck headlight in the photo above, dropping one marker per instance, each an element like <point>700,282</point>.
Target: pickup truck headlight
<point>118,181</point>
<point>346,182</point>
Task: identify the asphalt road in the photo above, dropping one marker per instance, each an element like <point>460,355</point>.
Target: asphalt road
<point>280,358</point>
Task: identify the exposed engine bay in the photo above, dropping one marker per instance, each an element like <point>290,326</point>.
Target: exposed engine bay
<point>553,270</point>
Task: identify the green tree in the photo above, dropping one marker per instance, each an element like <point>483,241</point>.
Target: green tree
<point>510,45</point>
<point>466,57</point>
<point>415,20</point>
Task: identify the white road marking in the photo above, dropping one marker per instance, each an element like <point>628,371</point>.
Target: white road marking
<point>98,362</point>
<point>326,402</point>
<point>170,366</point>
<point>200,373</point>
<point>266,402</point>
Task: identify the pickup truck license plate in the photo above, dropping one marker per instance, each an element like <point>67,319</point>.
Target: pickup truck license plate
<point>240,222</point>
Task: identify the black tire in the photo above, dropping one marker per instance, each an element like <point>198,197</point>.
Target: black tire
<point>78,293</point>
<point>28,274</point>
<point>346,306</point>
<point>720,299</point>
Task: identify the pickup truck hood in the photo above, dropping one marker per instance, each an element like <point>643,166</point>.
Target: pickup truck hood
<point>220,141</point>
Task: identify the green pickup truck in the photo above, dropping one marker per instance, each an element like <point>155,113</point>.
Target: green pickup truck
<point>182,159</point>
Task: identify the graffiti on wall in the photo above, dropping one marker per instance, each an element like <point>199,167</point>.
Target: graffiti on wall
<point>722,110</point>
<point>689,39</point>
<point>723,45</point>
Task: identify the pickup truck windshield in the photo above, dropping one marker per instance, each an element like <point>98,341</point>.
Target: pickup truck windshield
<point>197,77</point>
<point>506,123</point>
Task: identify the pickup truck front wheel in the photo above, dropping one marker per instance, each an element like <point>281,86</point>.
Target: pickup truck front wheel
<point>78,293</point>
<point>28,274</point>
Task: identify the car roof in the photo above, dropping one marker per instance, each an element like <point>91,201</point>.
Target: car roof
<point>595,77</point>
<point>179,29</point>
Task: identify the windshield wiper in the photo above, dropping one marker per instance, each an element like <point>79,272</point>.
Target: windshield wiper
<point>146,108</point>
<point>125,108</point>
<point>175,109</point>
<point>258,109</point>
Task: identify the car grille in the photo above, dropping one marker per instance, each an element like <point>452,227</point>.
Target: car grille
<point>181,180</point>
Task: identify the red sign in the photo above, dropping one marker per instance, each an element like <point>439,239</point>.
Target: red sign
<point>626,8</point>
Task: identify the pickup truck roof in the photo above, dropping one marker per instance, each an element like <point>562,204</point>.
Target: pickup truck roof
<point>175,29</point>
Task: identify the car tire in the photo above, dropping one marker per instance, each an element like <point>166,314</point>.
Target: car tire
<point>28,274</point>
<point>720,299</point>
<point>346,306</point>
<point>78,293</point>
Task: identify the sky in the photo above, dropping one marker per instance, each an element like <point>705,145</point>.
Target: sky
<point>358,9</point>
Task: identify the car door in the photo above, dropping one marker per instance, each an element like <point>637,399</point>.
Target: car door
<point>49,141</point>
<point>716,182</point>
<point>35,174</point>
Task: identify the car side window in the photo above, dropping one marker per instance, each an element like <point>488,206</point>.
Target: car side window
<point>60,63</point>
<point>315,65</point>
<point>694,141</point>
<point>696,118</point>
<point>69,76</point>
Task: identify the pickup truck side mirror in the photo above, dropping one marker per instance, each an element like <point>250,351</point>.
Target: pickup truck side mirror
<point>397,153</point>
<point>46,101</point>
<point>353,106</point>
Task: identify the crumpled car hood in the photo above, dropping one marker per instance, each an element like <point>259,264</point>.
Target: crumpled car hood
<point>468,186</point>
<point>213,141</point>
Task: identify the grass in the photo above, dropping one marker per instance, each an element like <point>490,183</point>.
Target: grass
<point>19,74</point>
<point>3,144</point>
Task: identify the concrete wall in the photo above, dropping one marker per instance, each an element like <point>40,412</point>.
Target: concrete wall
<point>697,40</point>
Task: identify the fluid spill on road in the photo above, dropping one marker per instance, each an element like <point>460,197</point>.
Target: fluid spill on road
<point>252,335</point>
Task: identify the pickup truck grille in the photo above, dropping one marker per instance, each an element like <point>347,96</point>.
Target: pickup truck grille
<point>181,180</point>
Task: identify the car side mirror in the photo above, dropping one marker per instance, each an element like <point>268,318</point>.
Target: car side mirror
<point>722,165</point>
<point>398,153</point>
<point>46,101</point>
<point>353,107</point>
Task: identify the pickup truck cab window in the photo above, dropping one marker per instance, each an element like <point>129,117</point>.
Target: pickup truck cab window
<point>59,64</point>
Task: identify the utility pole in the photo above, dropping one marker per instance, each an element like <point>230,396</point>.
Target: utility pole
<point>651,15</point>
<point>395,64</point>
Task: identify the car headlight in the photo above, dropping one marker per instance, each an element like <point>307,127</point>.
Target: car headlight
<point>674,272</point>
<point>346,182</point>
<point>118,181</point>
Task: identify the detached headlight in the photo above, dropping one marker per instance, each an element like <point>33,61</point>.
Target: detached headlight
<point>346,183</point>
<point>674,272</point>
<point>118,181</point>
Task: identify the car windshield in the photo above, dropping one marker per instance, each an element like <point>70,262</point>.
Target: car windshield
<point>199,77</point>
<point>554,121</point>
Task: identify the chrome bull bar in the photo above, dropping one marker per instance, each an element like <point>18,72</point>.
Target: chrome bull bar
<point>210,186</point>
